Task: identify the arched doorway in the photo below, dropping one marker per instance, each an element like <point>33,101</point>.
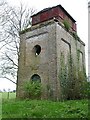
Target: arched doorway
<point>36,86</point>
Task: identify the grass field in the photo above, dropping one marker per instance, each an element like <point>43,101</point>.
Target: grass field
<point>6,95</point>
<point>0,106</point>
<point>13,108</point>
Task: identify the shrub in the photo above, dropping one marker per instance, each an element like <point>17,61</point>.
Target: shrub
<point>66,24</point>
<point>32,90</point>
<point>85,90</point>
<point>73,82</point>
<point>75,36</point>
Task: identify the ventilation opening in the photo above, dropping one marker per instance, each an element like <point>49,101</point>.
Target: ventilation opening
<point>36,78</point>
<point>37,49</point>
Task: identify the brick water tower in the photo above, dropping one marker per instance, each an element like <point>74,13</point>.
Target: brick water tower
<point>41,47</point>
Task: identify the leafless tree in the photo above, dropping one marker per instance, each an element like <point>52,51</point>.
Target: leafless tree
<point>12,21</point>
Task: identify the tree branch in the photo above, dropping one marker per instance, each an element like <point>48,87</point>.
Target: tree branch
<point>9,79</point>
<point>11,60</point>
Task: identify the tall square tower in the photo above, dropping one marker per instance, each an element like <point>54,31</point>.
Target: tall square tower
<point>46,50</point>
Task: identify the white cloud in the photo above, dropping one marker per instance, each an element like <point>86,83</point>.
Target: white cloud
<point>6,84</point>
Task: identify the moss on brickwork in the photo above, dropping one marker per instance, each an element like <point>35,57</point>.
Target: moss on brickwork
<point>72,80</point>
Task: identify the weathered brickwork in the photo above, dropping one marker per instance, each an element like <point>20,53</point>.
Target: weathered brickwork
<point>53,39</point>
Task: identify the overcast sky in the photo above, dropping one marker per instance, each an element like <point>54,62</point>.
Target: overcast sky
<point>78,9</point>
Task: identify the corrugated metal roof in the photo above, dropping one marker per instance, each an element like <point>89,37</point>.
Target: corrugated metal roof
<point>47,9</point>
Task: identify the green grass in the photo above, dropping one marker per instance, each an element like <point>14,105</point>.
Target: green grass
<point>13,108</point>
<point>6,95</point>
<point>44,109</point>
<point>0,106</point>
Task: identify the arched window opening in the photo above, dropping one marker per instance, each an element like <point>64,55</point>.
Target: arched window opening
<point>37,49</point>
<point>36,78</point>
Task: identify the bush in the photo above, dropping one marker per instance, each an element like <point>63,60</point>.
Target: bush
<point>73,82</point>
<point>75,36</point>
<point>66,24</point>
<point>32,90</point>
<point>86,92</point>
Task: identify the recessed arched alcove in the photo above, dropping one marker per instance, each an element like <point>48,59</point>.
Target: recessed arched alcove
<point>35,78</point>
<point>37,50</point>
